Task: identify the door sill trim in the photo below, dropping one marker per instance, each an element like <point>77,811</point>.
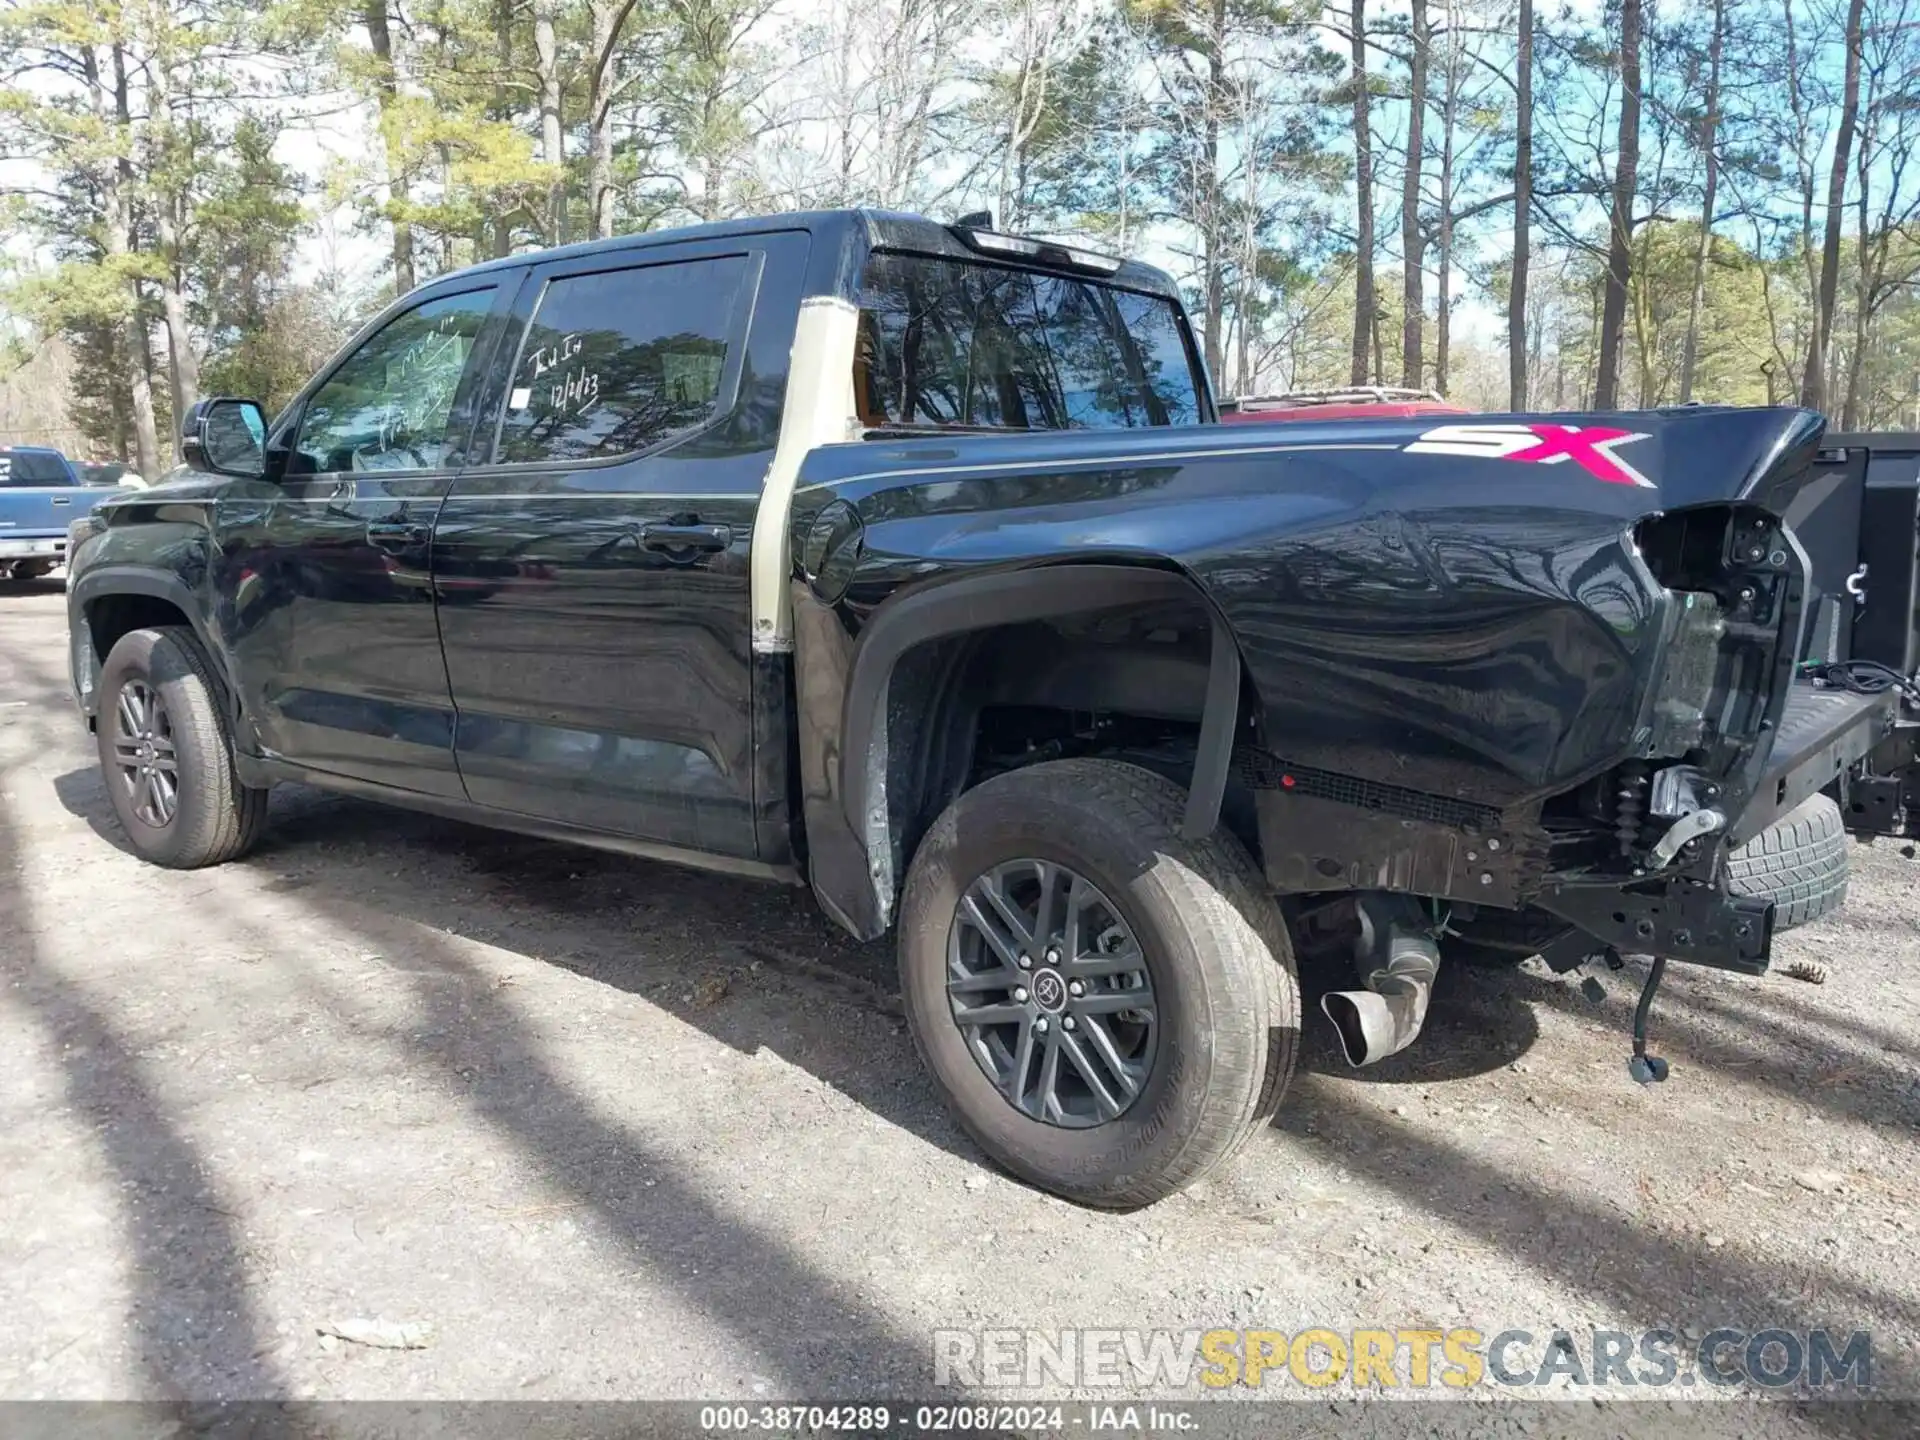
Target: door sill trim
<point>274,769</point>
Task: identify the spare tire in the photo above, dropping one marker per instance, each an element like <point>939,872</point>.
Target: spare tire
<point>1799,862</point>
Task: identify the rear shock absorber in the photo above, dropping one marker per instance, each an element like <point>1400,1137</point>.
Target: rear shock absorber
<point>1630,805</point>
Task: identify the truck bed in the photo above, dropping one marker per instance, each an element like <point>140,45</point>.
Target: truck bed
<point>1823,732</point>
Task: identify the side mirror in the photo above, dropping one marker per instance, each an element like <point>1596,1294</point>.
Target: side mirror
<point>226,436</point>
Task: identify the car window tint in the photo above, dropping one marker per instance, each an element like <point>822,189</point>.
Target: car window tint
<point>33,467</point>
<point>956,343</point>
<point>389,404</point>
<point>618,361</point>
<point>1165,358</point>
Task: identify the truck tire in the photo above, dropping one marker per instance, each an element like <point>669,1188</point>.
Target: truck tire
<point>166,753</point>
<point>1799,862</point>
<point>1108,1008</point>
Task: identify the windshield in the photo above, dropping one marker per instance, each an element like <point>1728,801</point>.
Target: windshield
<point>111,473</point>
<point>955,344</point>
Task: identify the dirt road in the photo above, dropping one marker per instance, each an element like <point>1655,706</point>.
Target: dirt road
<point>611,1129</point>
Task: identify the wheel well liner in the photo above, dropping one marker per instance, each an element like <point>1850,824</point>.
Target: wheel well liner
<point>986,602</point>
<point>118,599</point>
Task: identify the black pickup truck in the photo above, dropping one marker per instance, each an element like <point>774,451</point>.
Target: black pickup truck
<point>908,562</point>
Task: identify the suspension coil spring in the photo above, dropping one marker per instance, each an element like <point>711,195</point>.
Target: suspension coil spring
<point>1630,805</point>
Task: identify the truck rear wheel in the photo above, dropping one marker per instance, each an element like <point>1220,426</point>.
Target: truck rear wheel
<point>166,753</point>
<point>1109,1009</point>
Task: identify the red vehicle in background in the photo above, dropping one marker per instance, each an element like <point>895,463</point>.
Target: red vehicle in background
<point>1359,402</point>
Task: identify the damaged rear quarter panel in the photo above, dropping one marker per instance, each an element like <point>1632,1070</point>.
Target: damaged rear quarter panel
<point>1458,624</point>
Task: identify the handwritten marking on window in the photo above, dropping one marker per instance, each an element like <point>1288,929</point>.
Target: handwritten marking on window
<point>435,348</point>
<point>575,391</point>
<point>554,356</point>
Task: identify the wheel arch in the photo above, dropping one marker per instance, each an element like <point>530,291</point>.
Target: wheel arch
<point>935,636</point>
<point>109,602</point>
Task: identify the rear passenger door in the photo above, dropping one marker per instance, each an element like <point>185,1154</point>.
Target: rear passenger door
<point>593,577</point>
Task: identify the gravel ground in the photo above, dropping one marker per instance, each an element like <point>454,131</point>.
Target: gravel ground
<point>616,1130</point>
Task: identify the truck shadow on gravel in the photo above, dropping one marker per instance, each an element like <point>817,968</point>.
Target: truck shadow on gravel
<point>698,944</point>
<point>677,937</point>
<point>1800,1055</point>
<point>805,1329</point>
<point>589,907</point>
<point>1640,1271</point>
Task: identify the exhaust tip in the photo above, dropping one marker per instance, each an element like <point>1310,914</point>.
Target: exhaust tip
<point>1397,959</point>
<point>1363,1022</point>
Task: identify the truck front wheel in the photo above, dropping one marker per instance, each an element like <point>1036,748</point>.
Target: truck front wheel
<point>166,753</point>
<point>1109,1008</point>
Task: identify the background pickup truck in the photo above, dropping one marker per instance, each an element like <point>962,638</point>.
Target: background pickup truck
<point>908,562</point>
<point>41,494</point>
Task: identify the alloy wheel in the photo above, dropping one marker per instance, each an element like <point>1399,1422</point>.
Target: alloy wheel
<point>145,760</point>
<point>1051,991</point>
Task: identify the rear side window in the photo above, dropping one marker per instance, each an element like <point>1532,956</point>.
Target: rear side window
<point>955,343</point>
<point>33,467</point>
<point>621,360</point>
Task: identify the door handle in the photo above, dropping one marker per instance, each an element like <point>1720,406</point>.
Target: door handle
<point>662,536</point>
<point>397,534</point>
<point>58,500</point>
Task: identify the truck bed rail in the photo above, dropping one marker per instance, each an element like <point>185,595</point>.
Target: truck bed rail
<point>1823,733</point>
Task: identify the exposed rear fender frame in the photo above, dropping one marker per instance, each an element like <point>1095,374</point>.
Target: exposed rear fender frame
<point>970,604</point>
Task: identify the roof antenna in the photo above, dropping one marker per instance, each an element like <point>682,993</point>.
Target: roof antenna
<point>975,220</point>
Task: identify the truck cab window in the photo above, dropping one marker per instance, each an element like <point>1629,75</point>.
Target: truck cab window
<point>957,344</point>
<point>389,404</point>
<point>617,361</point>
<point>30,469</point>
